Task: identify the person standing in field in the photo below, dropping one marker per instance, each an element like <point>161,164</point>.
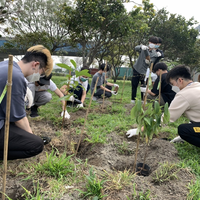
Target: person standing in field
<point>146,55</point>
<point>22,142</point>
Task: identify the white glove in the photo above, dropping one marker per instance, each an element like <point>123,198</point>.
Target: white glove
<point>177,139</point>
<point>80,105</point>
<point>28,98</point>
<point>143,89</point>
<point>159,54</point>
<point>131,132</point>
<point>116,85</point>
<point>71,98</point>
<point>114,92</point>
<point>143,47</point>
<point>147,61</point>
<point>66,114</point>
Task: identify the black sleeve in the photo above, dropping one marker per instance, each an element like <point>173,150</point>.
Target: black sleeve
<point>154,89</point>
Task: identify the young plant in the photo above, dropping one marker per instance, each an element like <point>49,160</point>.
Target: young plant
<point>149,121</point>
<point>94,186</point>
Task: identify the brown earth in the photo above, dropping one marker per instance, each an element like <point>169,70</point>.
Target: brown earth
<point>105,157</point>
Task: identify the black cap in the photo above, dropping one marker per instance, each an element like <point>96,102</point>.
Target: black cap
<point>45,80</point>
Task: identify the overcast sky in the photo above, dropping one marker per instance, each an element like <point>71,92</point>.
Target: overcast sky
<point>187,9</point>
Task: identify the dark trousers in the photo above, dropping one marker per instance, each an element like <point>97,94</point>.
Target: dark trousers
<point>21,144</point>
<point>101,92</point>
<point>137,77</point>
<point>187,132</point>
<point>79,91</point>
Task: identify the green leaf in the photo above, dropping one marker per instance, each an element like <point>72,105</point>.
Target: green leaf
<point>82,73</point>
<point>73,63</point>
<point>158,85</point>
<point>64,66</point>
<point>147,120</point>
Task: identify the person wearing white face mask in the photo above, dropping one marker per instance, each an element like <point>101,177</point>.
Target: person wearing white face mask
<point>146,55</point>
<point>186,102</point>
<point>22,142</point>
<point>99,90</point>
<point>80,91</point>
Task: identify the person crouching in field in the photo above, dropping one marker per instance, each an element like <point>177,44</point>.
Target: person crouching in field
<point>22,142</point>
<point>99,90</point>
<point>79,93</point>
<point>167,94</point>
<point>186,101</point>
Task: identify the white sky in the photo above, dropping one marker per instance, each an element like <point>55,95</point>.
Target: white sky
<point>187,9</point>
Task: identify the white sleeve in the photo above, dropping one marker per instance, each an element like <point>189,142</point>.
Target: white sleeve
<point>52,86</point>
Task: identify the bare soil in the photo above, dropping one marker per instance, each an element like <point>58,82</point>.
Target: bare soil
<point>105,157</point>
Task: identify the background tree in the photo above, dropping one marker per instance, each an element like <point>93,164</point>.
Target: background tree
<point>93,24</point>
<point>36,22</point>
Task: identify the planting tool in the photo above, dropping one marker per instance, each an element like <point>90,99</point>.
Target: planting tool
<point>86,117</point>
<point>7,123</point>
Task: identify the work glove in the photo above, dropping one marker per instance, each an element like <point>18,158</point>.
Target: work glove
<point>159,54</point>
<point>116,85</point>
<point>114,92</point>
<point>147,61</point>
<point>28,98</point>
<point>143,47</point>
<point>80,105</point>
<point>131,132</point>
<point>177,139</point>
<point>71,98</point>
<point>143,89</point>
<point>66,114</point>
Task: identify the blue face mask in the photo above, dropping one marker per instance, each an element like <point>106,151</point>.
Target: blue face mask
<point>83,79</point>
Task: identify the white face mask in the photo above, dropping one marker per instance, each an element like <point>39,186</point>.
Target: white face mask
<point>151,45</point>
<point>33,77</point>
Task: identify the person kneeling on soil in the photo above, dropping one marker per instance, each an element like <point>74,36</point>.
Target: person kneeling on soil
<point>22,142</point>
<point>185,102</point>
<point>80,91</point>
<point>41,96</point>
<point>100,88</point>
<point>167,94</point>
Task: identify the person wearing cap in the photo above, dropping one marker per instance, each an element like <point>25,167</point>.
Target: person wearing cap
<point>79,93</point>
<point>22,142</point>
<point>41,96</point>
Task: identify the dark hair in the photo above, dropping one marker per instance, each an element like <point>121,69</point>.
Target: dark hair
<point>102,67</point>
<point>177,72</point>
<point>160,40</point>
<point>158,66</point>
<point>42,55</point>
<point>153,39</point>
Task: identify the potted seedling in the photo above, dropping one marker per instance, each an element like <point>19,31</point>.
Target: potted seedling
<point>148,119</point>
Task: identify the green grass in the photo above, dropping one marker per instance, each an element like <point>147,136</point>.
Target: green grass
<point>118,120</point>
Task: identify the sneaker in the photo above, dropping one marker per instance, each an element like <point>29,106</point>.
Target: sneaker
<point>132,101</point>
<point>34,111</point>
<point>94,98</point>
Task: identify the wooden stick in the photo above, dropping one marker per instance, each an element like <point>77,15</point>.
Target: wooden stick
<point>145,98</point>
<point>7,123</point>
<point>160,88</point>
<point>123,88</point>
<point>104,86</point>
<point>86,116</point>
<point>63,120</point>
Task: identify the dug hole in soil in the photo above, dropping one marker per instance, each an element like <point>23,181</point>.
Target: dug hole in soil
<point>105,157</point>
